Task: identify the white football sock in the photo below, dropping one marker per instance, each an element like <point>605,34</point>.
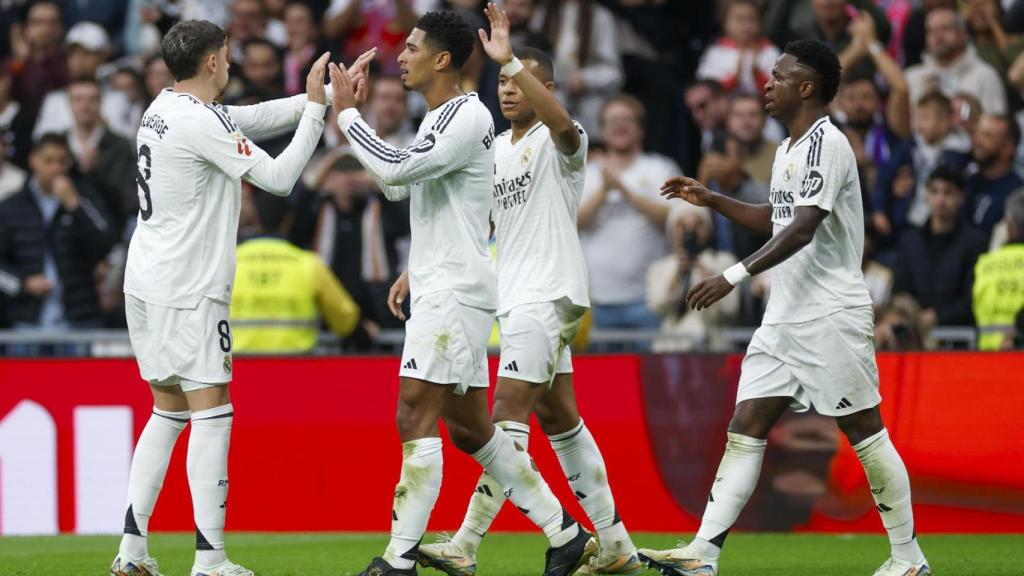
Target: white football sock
<point>208,480</point>
<point>890,486</point>
<point>149,466</point>
<point>488,498</point>
<point>584,468</point>
<point>512,467</point>
<point>734,483</point>
<point>415,495</point>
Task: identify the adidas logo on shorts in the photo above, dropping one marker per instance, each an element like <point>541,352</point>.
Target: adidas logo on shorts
<point>844,403</point>
<point>410,365</point>
<point>512,366</point>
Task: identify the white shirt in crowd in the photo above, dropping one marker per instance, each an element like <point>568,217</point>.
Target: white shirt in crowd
<point>622,242</point>
<point>449,174</point>
<point>825,276</point>
<point>537,193</point>
<point>116,109</point>
<point>191,158</point>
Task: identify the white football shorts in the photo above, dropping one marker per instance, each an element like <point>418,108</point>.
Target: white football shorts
<point>828,363</point>
<point>190,348</point>
<point>446,342</point>
<point>535,340</point>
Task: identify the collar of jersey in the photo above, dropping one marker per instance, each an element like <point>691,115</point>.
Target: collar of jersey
<point>810,131</point>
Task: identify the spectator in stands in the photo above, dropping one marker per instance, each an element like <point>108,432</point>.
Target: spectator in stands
<point>693,259</point>
<point>105,160</point>
<point>520,16</point>
<point>585,51</point>
<point>708,107</point>
<point>15,122</point>
<point>994,178</point>
<point>262,77</point>
<point>898,328</point>
<point>858,107</point>
<point>88,49</point>
<point>993,45</point>
<point>900,197</point>
<point>745,125</point>
<point>966,113</point>
<point>281,291</point>
<point>12,178</point>
<point>359,25</point>
<point>951,65</point>
<point>52,235</point>
<point>250,21</point>
<point>156,77</point>
<point>935,263</point>
<point>914,30</point>
<point>743,58</point>
<point>39,64</point>
<point>622,217</point>
<point>387,111</point>
<point>866,45</point>
<point>999,281</point>
<point>303,46</point>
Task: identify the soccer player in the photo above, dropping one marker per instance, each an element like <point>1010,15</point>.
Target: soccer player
<point>448,173</point>
<point>815,343</point>
<point>539,167</point>
<point>192,154</point>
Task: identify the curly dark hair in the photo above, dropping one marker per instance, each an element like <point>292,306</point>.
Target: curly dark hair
<point>819,57</point>
<point>448,32</point>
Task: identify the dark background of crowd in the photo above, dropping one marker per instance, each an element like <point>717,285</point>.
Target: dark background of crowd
<point>931,101</point>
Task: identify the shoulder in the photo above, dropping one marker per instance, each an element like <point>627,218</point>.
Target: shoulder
<point>465,110</point>
<point>16,202</point>
<point>975,239</point>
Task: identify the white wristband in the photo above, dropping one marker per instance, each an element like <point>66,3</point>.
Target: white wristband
<point>875,47</point>
<point>736,273</point>
<point>512,68</point>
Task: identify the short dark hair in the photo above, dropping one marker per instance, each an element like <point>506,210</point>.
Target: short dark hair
<point>448,32</point>
<point>936,98</point>
<point>545,70</point>
<point>87,80</point>
<point>948,173</point>
<point>51,139</point>
<point>629,101</point>
<point>714,86</point>
<point>1012,128</point>
<point>819,57</point>
<point>187,43</point>
<point>271,210</point>
<point>261,42</point>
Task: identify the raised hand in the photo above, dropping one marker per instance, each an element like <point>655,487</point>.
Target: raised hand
<point>346,93</point>
<point>315,91</point>
<point>498,46</point>
<point>688,189</point>
<point>361,65</point>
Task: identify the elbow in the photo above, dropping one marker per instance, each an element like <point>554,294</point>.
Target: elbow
<point>803,236</point>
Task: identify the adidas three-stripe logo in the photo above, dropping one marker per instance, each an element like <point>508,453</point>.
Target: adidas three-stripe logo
<point>512,366</point>
<point>411,365</point>
<point>844,403</point>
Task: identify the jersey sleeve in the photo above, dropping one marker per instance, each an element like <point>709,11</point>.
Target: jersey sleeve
<point>447,147</point>
<point>578,159</point>
<point>827,172</point>
<point>271,118</point>
<point>215,138</point>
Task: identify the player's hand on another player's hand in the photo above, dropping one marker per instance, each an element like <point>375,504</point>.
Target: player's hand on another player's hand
<point>688,189</point>
<point>399,292</point>
<point>498,46</point>
<point>315,91</point>
<point>708,291</point>
<point>346,93</point>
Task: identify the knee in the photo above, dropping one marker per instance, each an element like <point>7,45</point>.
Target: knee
<point>509,409</point>
<point>411,423</point>
<point>749,423</point>
<point>861,425</point>
<point>469,439</point>
<point>554,422</point>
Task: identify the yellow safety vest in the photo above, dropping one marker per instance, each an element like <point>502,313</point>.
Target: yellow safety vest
<point>273,307</point>
<point>998,292</point>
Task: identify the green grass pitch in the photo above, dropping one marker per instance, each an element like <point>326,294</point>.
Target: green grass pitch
<point>513,554</point>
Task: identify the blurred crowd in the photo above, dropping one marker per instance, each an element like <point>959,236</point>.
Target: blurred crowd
<point>932,101</point>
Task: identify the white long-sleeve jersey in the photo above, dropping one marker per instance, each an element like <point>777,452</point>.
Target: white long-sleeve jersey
<point>191,158</point>
<point>449,174</point>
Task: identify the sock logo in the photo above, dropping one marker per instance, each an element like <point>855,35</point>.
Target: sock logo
<point>883,508</point>
<point>508,493</point>
<point>579,495</point>
<point>844,403</point>
<point>878,491</point>
<point>484,489</point>
<point>512,366</point>
<point>719,479</point>
<point>410,365</point>
<point>574,477</point>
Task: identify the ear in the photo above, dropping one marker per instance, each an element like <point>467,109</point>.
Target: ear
<point>442,60</point>
<point>550,85</point>
<point>211,61</point>
<point>807,89</point>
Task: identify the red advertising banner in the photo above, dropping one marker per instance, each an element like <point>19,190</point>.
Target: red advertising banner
<point>314,446</point>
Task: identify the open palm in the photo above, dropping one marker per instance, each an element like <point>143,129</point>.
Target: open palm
<point>498,46</point>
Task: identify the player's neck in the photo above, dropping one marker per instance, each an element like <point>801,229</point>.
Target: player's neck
<point>802,122</point>
<point>521,127</point>
<point>443,90</point>
<point>201,89</point>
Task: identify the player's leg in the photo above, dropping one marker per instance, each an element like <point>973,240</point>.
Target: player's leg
<point>146,478</point>
<point>471,431</point>
<point>890,487</point>
<point>585,470</point>
<point>513,403</point>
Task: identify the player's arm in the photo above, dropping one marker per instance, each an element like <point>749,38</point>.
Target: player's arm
<point>337,306</point>
<point>540,96</point>
<point>757,217</point>
<point>443,150</point>
<point>275,117</point>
